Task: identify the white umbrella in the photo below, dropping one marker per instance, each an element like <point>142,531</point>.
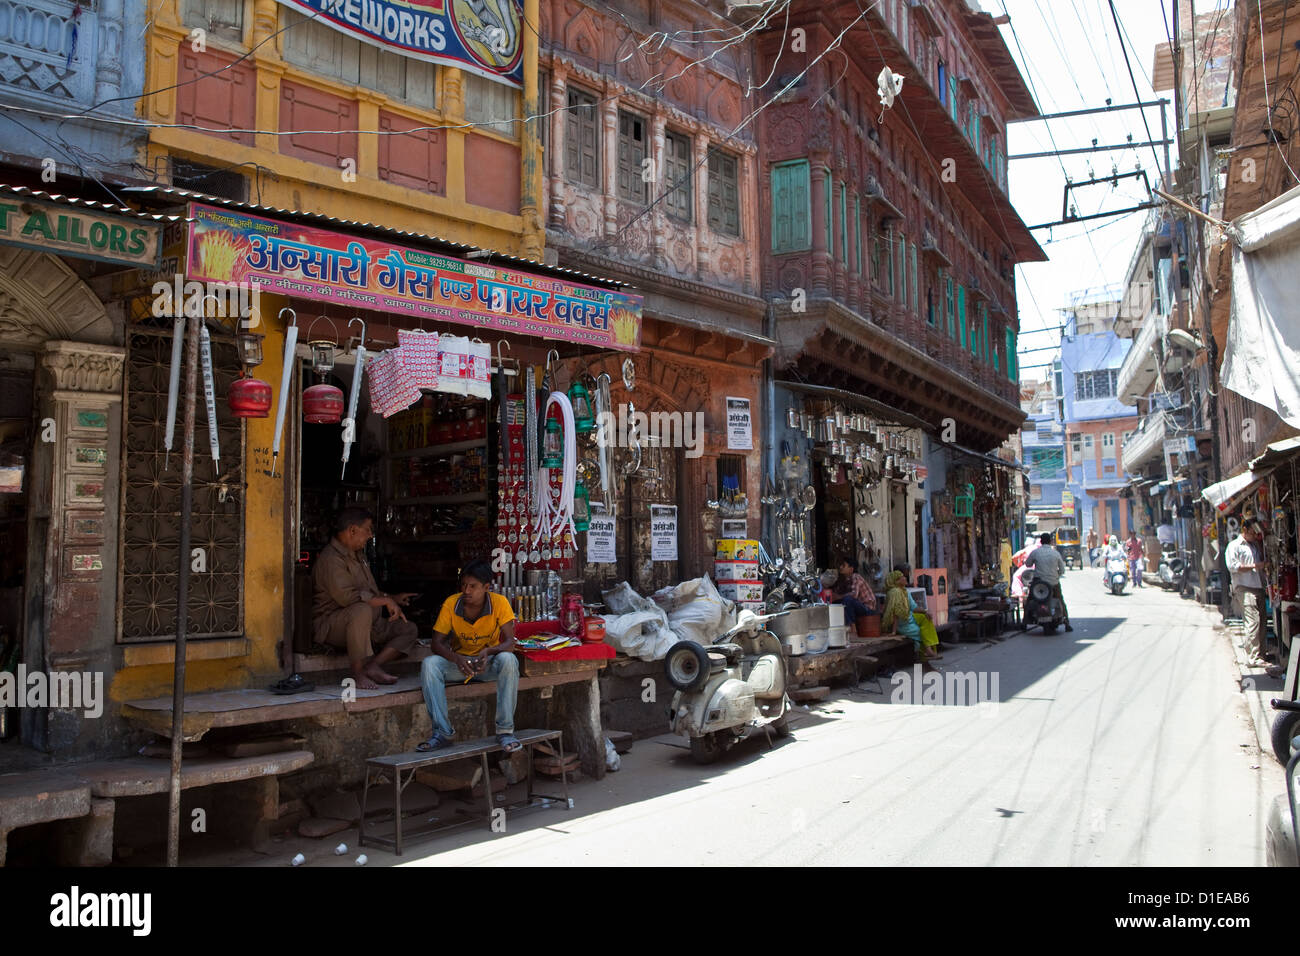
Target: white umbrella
<point>286,374</point>
<point>174,383</point>
<point>350,423</point>
<point>210,397</point>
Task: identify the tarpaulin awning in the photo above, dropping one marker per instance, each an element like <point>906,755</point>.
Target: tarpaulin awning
<point>1224,493</point>
<point>1263,349</point>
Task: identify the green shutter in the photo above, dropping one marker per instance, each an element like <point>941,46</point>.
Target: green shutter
<point>844,223</point>
<point>961,314</point>
<point>1011,354</point>
<point>901,282</point>
<point>791,214</point>
<point>916,292</point>
<point>857,230</point>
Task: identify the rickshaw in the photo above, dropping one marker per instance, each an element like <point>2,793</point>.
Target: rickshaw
<point>1067,543</point>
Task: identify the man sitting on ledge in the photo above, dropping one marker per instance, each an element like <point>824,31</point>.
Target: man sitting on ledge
<point>348,606</point>
<point>481,628</point>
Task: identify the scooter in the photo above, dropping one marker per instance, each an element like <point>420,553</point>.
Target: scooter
<point>1116,574</point>
<point>1173,569</point>
<point>1042,607</point>
<point>728,690</point>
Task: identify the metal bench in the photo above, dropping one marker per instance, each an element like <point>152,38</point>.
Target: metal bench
<point>401,768</point>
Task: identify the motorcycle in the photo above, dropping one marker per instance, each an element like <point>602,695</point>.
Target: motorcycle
<point>1173,569</point>
<point>729,690</point>
<point>1116,574</point>
<point>1042,607</point>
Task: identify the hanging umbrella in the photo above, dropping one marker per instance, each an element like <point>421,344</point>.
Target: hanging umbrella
<point>286,373</point>
<point>350,423</point>
<point>209,394</point>
<point>174,383</point>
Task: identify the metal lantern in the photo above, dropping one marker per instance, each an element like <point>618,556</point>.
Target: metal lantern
<point>583,419</point>
<point>322,356</point>
<point>581,506</point>
<point>553,444</point>
<point>249,397</point>
<point>250,349</point>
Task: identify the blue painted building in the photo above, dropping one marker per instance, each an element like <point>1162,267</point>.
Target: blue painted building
<point>1097,423</point>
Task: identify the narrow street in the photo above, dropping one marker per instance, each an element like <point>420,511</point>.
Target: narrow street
<point>1124,743</point>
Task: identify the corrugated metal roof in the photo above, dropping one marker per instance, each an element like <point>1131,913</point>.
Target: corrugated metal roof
<point>91,204</point>
<point>531,265</point>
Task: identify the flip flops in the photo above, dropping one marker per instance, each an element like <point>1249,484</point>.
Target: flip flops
<point>293,684</point>
<point>509,743</point>
<point>436,742</point>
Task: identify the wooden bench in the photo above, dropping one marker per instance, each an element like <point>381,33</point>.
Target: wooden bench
<point>401,768</point>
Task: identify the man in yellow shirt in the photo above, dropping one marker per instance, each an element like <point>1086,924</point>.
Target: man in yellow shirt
<point>473,639</point>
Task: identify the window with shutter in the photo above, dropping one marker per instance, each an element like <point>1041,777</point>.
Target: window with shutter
<point>900,260</point>
<point>581,141</point>
<point>678,173</point>
<point>916,299</point>
<point>791,210</point>
<point>1012,374</point>
<point>225,18</point>
<point>857,230</point>
<point>844,223</point>
<point>961,314</point>
<point>491,105</point>
<point>724,193</point>
<point>827,185</point>
<point>943,83</point>
<point>632,151</point>
<point>951,304</point>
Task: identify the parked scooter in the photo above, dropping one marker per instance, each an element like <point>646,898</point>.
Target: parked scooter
<point>1116,574</point>
<point>1173,568</point>
<point>1042,607</point>
<point>728,690</point>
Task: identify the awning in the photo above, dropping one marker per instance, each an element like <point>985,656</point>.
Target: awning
<point>1275,454</point>
<point>1263,350</point>
<point>1225,494</point>
<point>993,459</point>
<point>878,409</point>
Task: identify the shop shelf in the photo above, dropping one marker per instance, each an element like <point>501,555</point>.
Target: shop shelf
<point>465,499</point>
<point>431,450</point>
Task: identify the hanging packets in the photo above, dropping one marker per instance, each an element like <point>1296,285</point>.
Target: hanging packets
<point>453,364</point>
<point>392,388</point>
<point>418,354</point>
<point>478,370</point>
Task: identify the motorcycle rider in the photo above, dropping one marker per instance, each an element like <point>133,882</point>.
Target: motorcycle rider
<point>1113,549</point>
<point>1048,566</point>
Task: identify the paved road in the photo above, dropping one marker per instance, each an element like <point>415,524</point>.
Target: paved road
<point>1123,743</point>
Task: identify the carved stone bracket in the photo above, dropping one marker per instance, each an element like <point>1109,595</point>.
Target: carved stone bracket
<point>82,368</point>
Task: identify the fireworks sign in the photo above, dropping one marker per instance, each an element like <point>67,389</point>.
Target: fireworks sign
<point>480,36</point>
<point>303,262</point>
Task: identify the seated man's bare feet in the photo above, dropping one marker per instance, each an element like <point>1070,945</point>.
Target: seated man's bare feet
<point>375,672</point>
<point>364,682</point>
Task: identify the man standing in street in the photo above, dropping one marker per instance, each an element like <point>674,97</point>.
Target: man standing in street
<point>348,607</point>
<point>1134,548</point>
<point>1092,546</point>
<point>1245,559</point>
<point>1048,566</point>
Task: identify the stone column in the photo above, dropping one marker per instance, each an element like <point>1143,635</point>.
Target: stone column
<point>609,159</point>
<point>856,254</point>
<point>751,227</point>
<point>821,264</point>
<point>558,100</point>
<point>659,184</point>
<point>530,165</point>
<point>80,427</point>
<point>108,66</point>
<point>839,237</point>
<point>699,162</point>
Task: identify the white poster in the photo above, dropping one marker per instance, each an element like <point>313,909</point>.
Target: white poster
<point>663,532</point>
<point>735,528</point>
<point>600,537</point>
<point>740,432</point>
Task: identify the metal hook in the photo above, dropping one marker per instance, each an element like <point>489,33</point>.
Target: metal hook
<point>501,362</point>
<point>292,313</point>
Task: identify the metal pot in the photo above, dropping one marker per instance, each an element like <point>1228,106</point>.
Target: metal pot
<point>792,417</point>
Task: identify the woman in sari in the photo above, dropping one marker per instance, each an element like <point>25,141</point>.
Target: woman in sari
<point>901,617</point>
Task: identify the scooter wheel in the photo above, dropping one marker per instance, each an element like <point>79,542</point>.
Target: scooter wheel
<point>781,726</point>
<point>1286,725</point>
<point>705,749</point>
<point>687,666</point>
<point>1049,628</point>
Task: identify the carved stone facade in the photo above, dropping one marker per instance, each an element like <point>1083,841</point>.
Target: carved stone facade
<point>82,368</point>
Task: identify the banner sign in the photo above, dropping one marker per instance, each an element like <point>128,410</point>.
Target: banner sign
<point>1067,503</point>
<point>663,532</point>
<point>740,432</point>
<point>310,263</point>
<point>480,36</point>
<point>68,231</point>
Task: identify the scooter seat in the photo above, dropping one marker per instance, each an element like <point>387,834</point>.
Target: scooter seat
<point>722,655</point>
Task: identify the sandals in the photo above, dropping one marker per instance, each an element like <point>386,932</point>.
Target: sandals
<point>293,684</point>
<point>509,743</point>
<point>436,742</point>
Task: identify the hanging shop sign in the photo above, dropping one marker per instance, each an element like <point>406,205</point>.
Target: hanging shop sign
<point>740,430</point>
<point>66,231</point>
<point>735,528</point>
<point>481,36</point>
<point>600,538</point>
<point>309,263</point>
<point>663,532</point>
<point>1067,503</point>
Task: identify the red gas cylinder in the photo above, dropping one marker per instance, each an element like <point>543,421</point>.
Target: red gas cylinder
<point>249,398</point>
<point>322,405</point>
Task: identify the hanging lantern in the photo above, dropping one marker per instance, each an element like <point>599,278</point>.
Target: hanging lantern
<point>581,506</point>
<point>322,405</point>
<point>322,356</point>
<point>583,420</point>
<point>553,444</point>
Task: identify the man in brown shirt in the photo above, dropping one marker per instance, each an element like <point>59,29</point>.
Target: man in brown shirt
<point>348,607</point>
